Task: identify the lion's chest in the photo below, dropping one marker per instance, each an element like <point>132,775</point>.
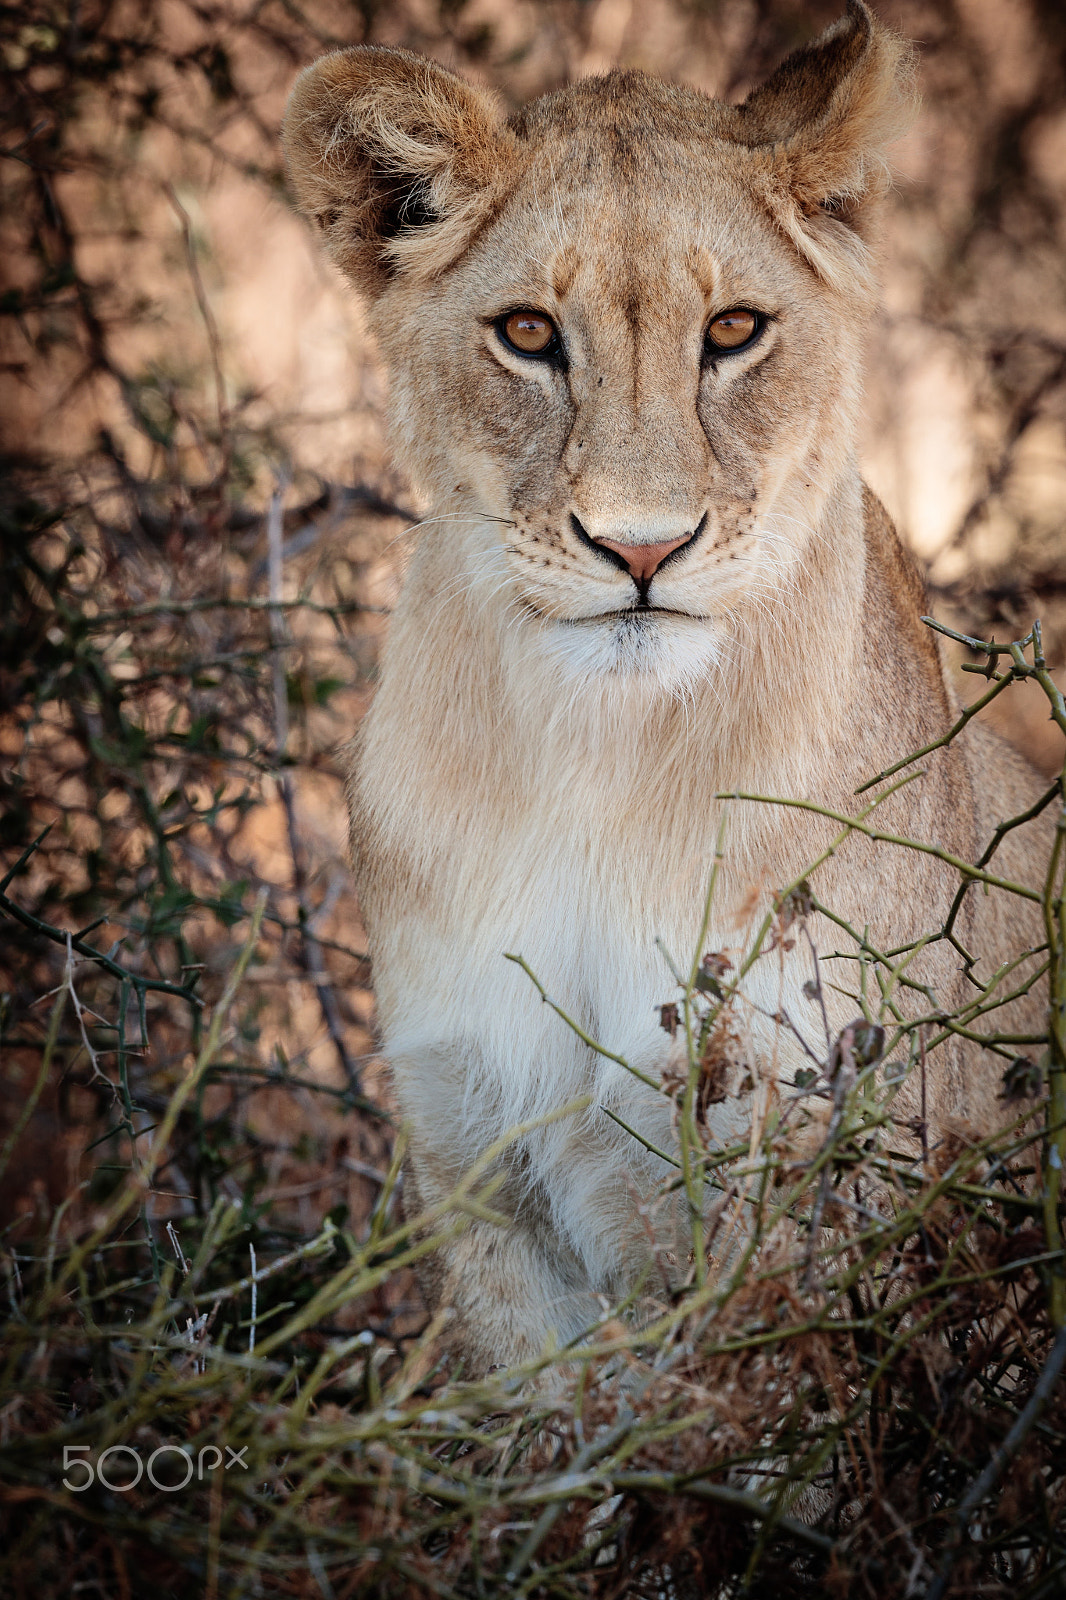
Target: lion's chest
<point>598,908</point>
<point>590,926</point>
<point>584,851</point>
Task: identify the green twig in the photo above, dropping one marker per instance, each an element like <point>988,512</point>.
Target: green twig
<point>586,1038</point>
<point>967,715</point>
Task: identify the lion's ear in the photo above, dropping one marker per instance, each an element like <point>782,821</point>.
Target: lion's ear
<point>394,159</point>
<point>828,113</point>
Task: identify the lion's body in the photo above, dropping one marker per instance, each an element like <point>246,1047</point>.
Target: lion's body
<point>538,774</point>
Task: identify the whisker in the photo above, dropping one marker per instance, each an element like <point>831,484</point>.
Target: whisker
<point>450,516</point>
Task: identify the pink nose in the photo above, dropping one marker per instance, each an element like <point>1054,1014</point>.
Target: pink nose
<point>643,560</point>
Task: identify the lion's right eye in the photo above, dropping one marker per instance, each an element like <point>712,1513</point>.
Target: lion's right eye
<point>531,333</point>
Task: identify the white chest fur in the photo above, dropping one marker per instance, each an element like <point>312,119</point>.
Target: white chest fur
<point>583,843</point>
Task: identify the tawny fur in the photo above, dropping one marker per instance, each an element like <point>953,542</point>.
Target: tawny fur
<point>538,772</point>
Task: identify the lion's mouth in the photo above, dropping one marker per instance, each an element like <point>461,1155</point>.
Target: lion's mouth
<point>633,614</point>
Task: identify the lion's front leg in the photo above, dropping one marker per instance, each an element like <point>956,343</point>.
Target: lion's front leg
<point>514,1292</point>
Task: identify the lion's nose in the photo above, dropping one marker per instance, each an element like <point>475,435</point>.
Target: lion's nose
<point>643,560</point>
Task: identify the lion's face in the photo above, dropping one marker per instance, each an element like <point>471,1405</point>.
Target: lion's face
<point>632,425</point>
<point>622,331</point>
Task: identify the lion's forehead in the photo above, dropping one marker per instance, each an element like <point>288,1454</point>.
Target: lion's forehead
<point>680,189</point>
<point>662,249</point>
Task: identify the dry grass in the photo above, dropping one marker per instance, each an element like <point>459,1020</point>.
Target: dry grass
<point>863,1398</point>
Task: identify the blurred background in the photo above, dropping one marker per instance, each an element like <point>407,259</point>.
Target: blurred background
<point>201,530</point>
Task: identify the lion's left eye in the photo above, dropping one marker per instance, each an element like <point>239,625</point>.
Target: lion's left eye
<point>531,333</point>
<point>732,331</point>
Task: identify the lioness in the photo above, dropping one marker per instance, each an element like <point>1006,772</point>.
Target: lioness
<point>623,331</point>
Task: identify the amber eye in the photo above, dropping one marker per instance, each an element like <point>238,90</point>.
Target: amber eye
<point>732,330</point>
<point>529,332</point>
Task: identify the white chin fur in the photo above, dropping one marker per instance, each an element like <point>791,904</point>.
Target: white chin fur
<point>673,653</point>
